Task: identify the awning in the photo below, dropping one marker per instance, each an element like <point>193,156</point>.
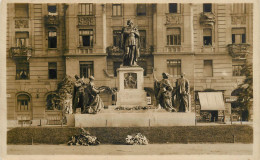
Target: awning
<point>211,101</point>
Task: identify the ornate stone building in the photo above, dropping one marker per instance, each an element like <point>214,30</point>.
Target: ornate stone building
<point>209,42</point>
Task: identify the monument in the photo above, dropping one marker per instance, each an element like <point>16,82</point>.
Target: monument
<point>130,75</point>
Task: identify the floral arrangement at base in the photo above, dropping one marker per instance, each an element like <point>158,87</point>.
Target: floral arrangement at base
<point>136,139</point>
<point>134,108</point>
<point>84,139</point>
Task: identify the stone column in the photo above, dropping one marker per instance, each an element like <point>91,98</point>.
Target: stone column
<point>104,28</point>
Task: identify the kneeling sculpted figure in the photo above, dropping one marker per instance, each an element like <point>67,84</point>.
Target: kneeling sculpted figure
<point>163,93</point>
<point>93,103</point>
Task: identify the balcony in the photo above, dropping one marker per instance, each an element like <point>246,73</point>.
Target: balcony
<point>175,48</point>
<point>114,51</point>
<point>51,20</point>
<point>21,53</point>
<point>86,20</point>
<point>238,51</point>
<point>207,19</point>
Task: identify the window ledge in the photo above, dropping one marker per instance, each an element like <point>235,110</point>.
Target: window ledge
<point>86,47</point>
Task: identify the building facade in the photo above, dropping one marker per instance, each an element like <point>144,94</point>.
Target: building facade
<point>45,42</point>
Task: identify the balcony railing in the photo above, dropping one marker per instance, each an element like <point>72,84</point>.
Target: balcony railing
<point>21,52</point>
<point>238,50</point>
<point>85,50</point>
<point>51,20</point>
<point>86,20</point>
<point>176,48</point>
<point>207,19</point>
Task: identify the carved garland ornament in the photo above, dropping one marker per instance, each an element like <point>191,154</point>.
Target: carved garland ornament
<point>22,23</point>
<point>173,19</point>
<point>89,21</point>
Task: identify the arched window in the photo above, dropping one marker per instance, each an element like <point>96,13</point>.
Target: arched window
<point>52,102</point>
<point>23,102</point>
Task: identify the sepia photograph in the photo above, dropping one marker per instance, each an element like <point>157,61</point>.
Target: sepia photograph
<point>156,79</point>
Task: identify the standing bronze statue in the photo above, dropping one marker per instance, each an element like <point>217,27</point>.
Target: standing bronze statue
<point>182,93</point>
<point>130,44</point>
<point>163,93</point>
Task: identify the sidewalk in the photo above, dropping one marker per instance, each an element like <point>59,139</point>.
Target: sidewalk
<point>151,149</point>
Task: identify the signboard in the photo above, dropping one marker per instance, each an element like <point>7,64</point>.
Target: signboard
<point>231,99</point>
<point>149,100</point>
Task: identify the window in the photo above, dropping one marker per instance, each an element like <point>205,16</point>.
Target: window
<point>86,9</point>
<point>86,69</point>
<point>207,37</point>
<point>207,7</point>
<point>208,68</point>
<point>52,9</point>
<point>22,39</point>
<point>173,36</point>
<point>117,9</point>
<point>238,8</point>
<point>237,66</point>
<point>52,70</point>
<point>116,65</point>
<point>238,35</point>
<point>143,64</point>
<point>86,37</point>
<point>22,70</point>
<point>52,39</point>
<point>141,9</point>
<point>23,102</point>
<point>174,8</point>
<point>21,10</point>
<point>142,34</point>
<point>116,37</point>
<point>52,102</point>
<point>174,67</point>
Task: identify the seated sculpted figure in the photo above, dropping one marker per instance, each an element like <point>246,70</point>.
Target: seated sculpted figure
<point>93,103</point>
<point>163,93</point>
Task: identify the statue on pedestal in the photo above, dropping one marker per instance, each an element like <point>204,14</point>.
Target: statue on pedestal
<point>163,93</point>
<point>130,44</point>
<point>182,93</point>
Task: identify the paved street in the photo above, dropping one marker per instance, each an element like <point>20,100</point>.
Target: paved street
<point>151,149</point>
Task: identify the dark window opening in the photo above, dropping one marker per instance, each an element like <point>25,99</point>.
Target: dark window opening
<point>207,7</point>
<point>52,40</point>
<point>238,35</point>
<point>174,67</point>
<point>141,9</point>
<point>116,38</point>
<point>22,70</point>
<point>86,69</point>
<point>173,8</point>
<point>207,37</point>
<point>86,37</point>
<point>52,70</point>
<point>117,9</point>
<point>52,9</point>
<point>116,65</point>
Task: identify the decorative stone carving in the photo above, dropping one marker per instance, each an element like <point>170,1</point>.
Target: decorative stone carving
<point>22,23</point>
<point>238,50</point>
<point>173,19</point>
<point>130,81</point>
<point>238,19</point>
<point>51,20</point>
<point>147,51</point>
<point>207,19</point>
<point>86,20</point>
<point>114,51</point>
<point>21,52</point>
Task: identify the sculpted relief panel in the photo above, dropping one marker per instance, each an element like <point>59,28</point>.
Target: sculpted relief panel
<point>22,23</point>
<point>173,19</point>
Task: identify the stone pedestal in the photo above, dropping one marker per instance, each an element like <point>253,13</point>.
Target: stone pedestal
<point>131,91</point>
